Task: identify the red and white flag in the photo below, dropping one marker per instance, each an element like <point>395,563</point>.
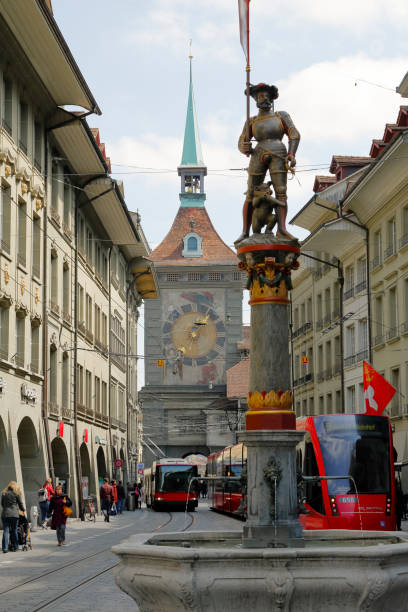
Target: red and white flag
<point>243,8</point>
<point>377,391</point>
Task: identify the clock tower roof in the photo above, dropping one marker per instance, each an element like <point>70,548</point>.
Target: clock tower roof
<point>193,220</point>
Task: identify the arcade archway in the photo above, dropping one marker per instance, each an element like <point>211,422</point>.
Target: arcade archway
<point>88,486</point>
<point>61,464</point>
<point>101,465</point>
<point>32,465</point>
<point>8,468</point>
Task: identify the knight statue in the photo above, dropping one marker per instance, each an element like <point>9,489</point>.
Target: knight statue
<point>268,129</point>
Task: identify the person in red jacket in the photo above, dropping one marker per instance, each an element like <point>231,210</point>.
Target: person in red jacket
<point>106,495</point>
<point>45,495</point>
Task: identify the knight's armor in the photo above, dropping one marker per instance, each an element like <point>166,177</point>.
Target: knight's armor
<point>269,154</point>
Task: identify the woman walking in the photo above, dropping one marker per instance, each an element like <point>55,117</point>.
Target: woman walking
<point>11,505</point>
<point>46,493</point>
<point>58,508</point>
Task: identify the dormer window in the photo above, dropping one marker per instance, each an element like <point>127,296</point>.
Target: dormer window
<point>192,245</point>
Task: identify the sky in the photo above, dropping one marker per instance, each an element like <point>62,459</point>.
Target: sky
<point>336,66</point>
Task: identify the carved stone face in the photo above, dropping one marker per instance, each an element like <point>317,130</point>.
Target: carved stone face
<point>263,100</point>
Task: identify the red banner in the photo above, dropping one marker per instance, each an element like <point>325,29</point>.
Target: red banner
<point>377,391</point>
<point>61,429</point>
<point>243,8</point>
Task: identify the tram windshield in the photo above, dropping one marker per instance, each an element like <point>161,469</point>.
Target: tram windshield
<point>173,478</point>
<point>358,446</point>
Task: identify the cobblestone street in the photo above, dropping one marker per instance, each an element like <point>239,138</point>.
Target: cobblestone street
<point>79,576</point>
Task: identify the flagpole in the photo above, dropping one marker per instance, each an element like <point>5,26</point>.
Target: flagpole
<point>248,73</point>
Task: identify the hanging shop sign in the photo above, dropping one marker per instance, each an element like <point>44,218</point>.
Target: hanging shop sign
<point>61,429</point>
<point>101,441</point>
<point>28,394</point>
<point>118,463</point>
<point>86,435</point>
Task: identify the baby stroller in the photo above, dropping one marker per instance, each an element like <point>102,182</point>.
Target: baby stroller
<point>23,533</point>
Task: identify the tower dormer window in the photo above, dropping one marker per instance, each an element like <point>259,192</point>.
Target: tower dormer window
<point>192,245</point>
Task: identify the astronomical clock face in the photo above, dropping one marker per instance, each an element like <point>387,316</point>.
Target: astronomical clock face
<point>193,336</point>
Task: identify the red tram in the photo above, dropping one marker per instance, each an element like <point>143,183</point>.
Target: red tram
<point>167,484</point>
<point>356,446</point>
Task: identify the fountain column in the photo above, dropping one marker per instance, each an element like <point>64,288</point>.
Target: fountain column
<point>270,435</point>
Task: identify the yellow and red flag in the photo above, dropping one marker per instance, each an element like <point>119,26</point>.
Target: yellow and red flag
<point>377,391</point>
<point>243,8</point>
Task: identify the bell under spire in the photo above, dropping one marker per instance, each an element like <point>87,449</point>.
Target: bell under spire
<point>192,168</point>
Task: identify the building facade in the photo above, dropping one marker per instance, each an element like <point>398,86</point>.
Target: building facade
<point>191,332</point>
<point>72,275</point>
<point>360,217</point>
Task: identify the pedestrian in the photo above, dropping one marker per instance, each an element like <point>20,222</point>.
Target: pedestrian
<point>44,498</point>
<point>60,509</point>
<point>11,505</point>
<point>141,494</point>
<point>121,497</point>
<point>106,495</point>
<point>115,491</point>
<point>137,495</point>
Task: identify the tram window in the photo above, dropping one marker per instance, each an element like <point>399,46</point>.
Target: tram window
<point>313,490</point>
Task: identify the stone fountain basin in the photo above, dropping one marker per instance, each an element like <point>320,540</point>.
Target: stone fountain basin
<point>211,572</point>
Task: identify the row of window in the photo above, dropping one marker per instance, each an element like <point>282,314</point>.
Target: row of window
<point>16,113</point>
<point>6,213</point>
<point>174,277</point>
<point>19,352</point>
<point>391,240</point>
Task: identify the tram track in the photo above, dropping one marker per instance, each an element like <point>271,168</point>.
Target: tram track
<point>85,558</point>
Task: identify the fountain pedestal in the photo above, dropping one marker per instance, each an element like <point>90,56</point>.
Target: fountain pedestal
<point>271,500</point>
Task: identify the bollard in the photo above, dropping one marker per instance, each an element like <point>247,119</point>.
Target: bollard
<point>34,518</point>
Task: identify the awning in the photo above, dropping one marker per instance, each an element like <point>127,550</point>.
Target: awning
<point>37,33</point>
<point>146,281</point>
<point>335,237</point>
<point>109,206</point>
<point>76,142</point>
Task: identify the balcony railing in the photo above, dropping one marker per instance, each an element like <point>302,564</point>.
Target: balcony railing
<point>66,317</point>
<point>81,326</point>
<point>3,353</point>
<point>389,251</point>
<point>349,361</point>
<point>327,373</point>
<point>403,240</point>
<point>81,409</point>
<point>122,425</point>
<point>66,413</point>
<point>348,294</point>
<point>378,339</point>
<point>54,307</point>
<point>375,262</point>
<point>326,319</point>
<point>303,329</point>
<point>114,422</point>
<point>34,368</point>
<point>55,216</point>
<point>19,360</point>
<point>392,333</point>
<point>67,231</point>
<point>320,376</point>
<point>21,259</point>
<point>53,409</point>
<point>336,369</point>
<point>319,324</point>
<point>89,335</point>
<point>361,286</point>
<point>22,145</point>
<point>404,327</point>
<point>361,355</point>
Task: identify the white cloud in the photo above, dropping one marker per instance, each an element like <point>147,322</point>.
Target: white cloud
<point>327,105</point>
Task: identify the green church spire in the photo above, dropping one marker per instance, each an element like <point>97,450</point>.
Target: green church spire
<point>192,155</point>
<point>192,169</point>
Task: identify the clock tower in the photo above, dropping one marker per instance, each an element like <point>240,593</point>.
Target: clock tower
<point>192,329</point>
